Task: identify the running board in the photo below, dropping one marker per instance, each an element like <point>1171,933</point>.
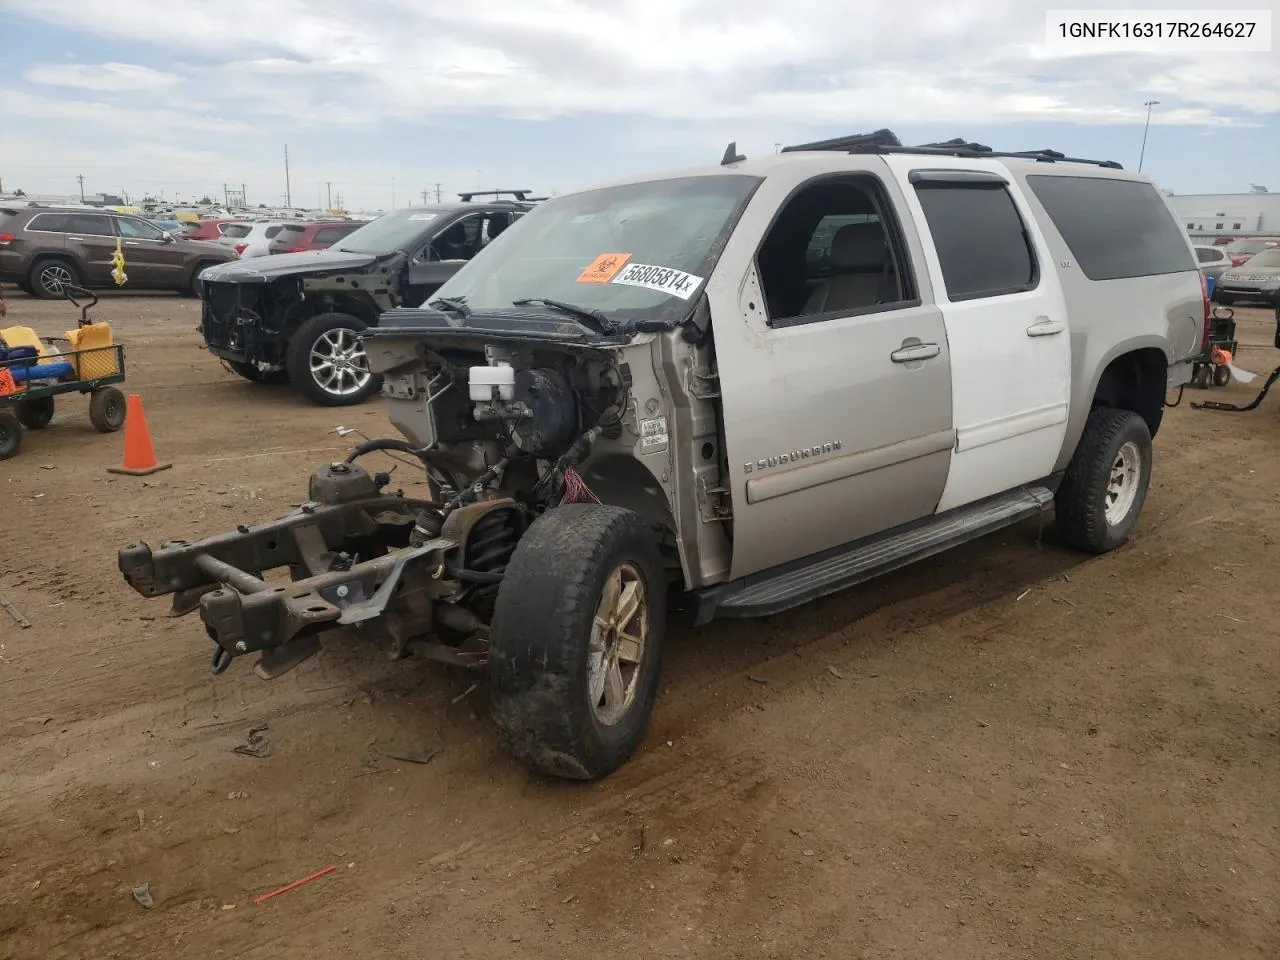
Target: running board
<point>792,584</point>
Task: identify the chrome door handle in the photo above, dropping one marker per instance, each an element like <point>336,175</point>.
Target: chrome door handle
<point>1044,327</point>
<point>76,239</point>
<point>917,351</point>
<point>131,243</point>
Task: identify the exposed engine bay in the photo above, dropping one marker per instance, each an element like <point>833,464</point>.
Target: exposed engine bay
<point>500,429</point>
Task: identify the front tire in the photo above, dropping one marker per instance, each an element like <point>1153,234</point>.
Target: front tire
<point>326,361</point>
<point>1106,482</point>
<point>192,289</point>
<point>50,277</point>
<point>10,434</point>
<point>576,645</point>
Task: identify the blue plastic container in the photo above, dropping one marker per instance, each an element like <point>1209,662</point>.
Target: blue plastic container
<point>1209,282</point>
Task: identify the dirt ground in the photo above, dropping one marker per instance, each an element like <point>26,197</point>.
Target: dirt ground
<point>1010,751</point>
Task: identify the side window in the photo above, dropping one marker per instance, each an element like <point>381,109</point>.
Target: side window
<point>272,231</point>
<point>48,222</point>
<point>132,229</point>
<point>1205,255</point>
<point>983,246</point>
<point>818,253</point>
<point>89,225</point>
<point>1114,228</point>
<point>494,224</point>
<point>834,250</point>
<point>460,240</point>
<point>330,234</point>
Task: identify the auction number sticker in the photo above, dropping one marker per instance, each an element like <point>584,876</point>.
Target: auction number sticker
<point>677,283</point>
<point>604,268</point>
<point>653,435</point>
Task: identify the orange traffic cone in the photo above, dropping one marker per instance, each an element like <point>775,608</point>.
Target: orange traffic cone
<point>139,455</point>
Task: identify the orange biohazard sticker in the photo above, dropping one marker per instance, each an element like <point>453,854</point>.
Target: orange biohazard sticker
<point>604,267</point>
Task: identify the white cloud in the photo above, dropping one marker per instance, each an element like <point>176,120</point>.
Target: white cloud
<point>105,77</point>
<point>767,67</point>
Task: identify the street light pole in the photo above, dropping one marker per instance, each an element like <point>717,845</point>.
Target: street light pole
<point>1143,152</point>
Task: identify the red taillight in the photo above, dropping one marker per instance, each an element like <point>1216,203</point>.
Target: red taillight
<point>1238,258</point>
<point>1208,313</point>
<point>241,248</point>
<point>295,249</point>
<point>6,239</point>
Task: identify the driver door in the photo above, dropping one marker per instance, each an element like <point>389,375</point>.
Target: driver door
<point>151,258</point>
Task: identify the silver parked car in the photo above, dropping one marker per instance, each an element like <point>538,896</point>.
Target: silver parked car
<point>760,381</point>
<point>1257,279</point>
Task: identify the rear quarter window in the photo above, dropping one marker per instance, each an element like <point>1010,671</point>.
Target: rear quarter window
<point>50,222</point>
<point>272,231</point>
<point>236,230</point>
<point>1115,229</point>
<point>331,234</point>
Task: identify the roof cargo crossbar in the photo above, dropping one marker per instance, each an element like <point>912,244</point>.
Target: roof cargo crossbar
<point>884,142</point>
<point>521,196</point>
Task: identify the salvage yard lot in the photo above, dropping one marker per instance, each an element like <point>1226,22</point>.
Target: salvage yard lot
<point>1007,751</point>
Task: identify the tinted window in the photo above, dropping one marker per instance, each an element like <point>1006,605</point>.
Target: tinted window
<point>1114,228</point>
<point>1207,255</point>
<point>982,245</point>
<point>236,230</point>
<point>272,231</point>
<point>330,234</point>
<point>138,229</point>
<point>51,222</point>
<point>90,225</point>
<point>291,231</point>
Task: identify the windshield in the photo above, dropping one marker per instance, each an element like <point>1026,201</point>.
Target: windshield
<point>638,251</point>
<point>1268,259</point>
<point>393,231</point>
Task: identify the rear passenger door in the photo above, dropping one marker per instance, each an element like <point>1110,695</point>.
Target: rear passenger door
<point>1006,323</point>
<point>92,242</point>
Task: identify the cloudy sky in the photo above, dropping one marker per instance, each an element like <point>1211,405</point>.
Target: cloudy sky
<point>386,98</point>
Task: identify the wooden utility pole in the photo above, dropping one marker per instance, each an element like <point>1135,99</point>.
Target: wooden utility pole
<point>288,196</point>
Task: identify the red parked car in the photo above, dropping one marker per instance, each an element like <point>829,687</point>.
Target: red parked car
<point>301,237</point>
<point>1243,249</point>
<point>210,229</point>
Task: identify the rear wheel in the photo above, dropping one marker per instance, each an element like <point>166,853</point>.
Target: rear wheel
<point>107,410</point>
<point>1106,482</point>
<point>35,412</point>
<point>50,276</point>
<point>1202,377</point>
<point>1221,376</point>
<point>10,434</point>
<point>327,362</point>
<point>577,637</point>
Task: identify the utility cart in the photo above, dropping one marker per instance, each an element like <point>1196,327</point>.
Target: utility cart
<point>1211,368</point>
<point>34,370</point>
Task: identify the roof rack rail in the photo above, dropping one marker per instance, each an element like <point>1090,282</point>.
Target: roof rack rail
<point>885,141</point>
<point>521,196</point>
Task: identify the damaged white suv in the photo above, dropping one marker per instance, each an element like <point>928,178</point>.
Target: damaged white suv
<point>758,382</point>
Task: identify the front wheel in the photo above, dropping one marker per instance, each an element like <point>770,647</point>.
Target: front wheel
<point>10,434</point>
<point>576,645</point>
<point>326,361</point>
<point>1221,376</point>
<point>1106,482</point>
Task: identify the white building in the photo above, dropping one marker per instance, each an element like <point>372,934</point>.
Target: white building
<point>1209,215</point>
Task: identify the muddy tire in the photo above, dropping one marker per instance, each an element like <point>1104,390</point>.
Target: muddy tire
<point>326,361</point>
<point>1106,482</point>
<point>10,434</point>
<point>192,289</point>
<point>35,413</point>
<point>576,645</point>
<point>107,410</point>
<point>49,276</point>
